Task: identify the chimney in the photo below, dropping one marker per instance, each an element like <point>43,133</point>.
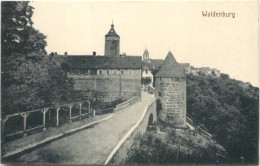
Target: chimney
<point>94,53</point>
<point>123,54</point>
<point>66,53</point>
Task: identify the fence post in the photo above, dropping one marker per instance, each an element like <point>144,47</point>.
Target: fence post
<point>94,112</point>
<point>89,106</point>
<point>44,117</point>
<point>24,115</point>
<point>70,106</point>
<point>4,120</point>
<point>80,104</point>
<point>57,116</point>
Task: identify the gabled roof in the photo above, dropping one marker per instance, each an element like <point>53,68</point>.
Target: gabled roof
<point>112,32</point>
<point>157,63</point>
<point>170,68</point>
<point>185,64</point>
<point>104,62</point>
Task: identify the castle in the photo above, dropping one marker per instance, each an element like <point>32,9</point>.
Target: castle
<point>107,77</point>
<point>114,76</point>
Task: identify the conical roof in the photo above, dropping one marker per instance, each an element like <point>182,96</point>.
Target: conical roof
<point>170,68</point>
<point>112,31</point>
<point>146,51</point>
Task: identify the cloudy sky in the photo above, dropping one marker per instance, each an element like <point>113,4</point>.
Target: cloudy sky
<point>226,43</point>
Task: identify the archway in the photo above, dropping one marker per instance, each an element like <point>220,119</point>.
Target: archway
<point>150,122</point>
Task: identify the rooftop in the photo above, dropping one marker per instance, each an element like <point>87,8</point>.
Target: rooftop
<point>104,62</point>
<point>170,68</point>
<point>112,31</point>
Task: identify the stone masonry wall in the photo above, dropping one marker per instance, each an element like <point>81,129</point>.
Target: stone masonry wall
<point>123,153</point>
<point>109,87</point>
<point>112,46</point>
<point>172,95</point>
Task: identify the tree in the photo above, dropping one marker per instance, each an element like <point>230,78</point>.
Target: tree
<point>18,35</point>
<point>30,78</point>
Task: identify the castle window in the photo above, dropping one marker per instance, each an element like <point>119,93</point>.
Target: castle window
<point>160,94</point>
<point>122,71</point>
<point>107,71</point>
<point>93,72</point>
<point>100,71</point>
<point>77,71</point>
<point>85,71</point>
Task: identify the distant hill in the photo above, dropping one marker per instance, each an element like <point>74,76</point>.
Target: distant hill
<point>228,109</point>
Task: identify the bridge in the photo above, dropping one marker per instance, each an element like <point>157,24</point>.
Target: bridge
<point>100,142</point>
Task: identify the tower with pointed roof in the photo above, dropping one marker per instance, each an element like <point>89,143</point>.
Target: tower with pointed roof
<point>146,55</point>
<point>112,42</point>
<point>170,85</point>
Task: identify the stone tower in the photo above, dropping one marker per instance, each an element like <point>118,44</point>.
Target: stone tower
<point>146,55</point>
<point>112,42</point>
<point>170,85</point>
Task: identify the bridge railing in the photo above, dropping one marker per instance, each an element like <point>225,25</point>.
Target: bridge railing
<point>57,108</point>
<point>127,103</point>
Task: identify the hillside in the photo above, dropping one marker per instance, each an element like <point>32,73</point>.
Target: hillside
<point>226,108</point>
<point>229,111</point>
<point>169,146</point>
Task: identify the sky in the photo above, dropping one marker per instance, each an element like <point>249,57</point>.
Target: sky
<point>226,43</point>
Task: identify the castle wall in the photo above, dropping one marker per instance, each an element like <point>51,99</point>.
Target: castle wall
<point>109,87</point>
<point>172,95</point>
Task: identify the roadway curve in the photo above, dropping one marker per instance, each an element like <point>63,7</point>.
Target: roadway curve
<point>92,145</point>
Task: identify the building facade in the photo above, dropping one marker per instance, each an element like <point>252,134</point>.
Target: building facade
<point>109,78</point>
<point>106,77</point>
<point>170,85</point>
<point>112,43</point>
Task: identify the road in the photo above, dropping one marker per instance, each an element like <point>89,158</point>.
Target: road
<point>92,145</point>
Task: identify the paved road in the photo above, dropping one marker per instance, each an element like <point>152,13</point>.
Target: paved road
<point>92,145</point>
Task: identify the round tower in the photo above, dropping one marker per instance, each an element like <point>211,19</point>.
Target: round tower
<point>170,85</point>
<point>112,42</point>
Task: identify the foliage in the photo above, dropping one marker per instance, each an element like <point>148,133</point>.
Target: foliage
<point>228,109</point>
<point>18,35</point>
<point>30,78</point>
<point>173,148</point>
<point>33,82</point>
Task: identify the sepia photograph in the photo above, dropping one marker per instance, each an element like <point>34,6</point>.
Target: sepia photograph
<point>130,82</point>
